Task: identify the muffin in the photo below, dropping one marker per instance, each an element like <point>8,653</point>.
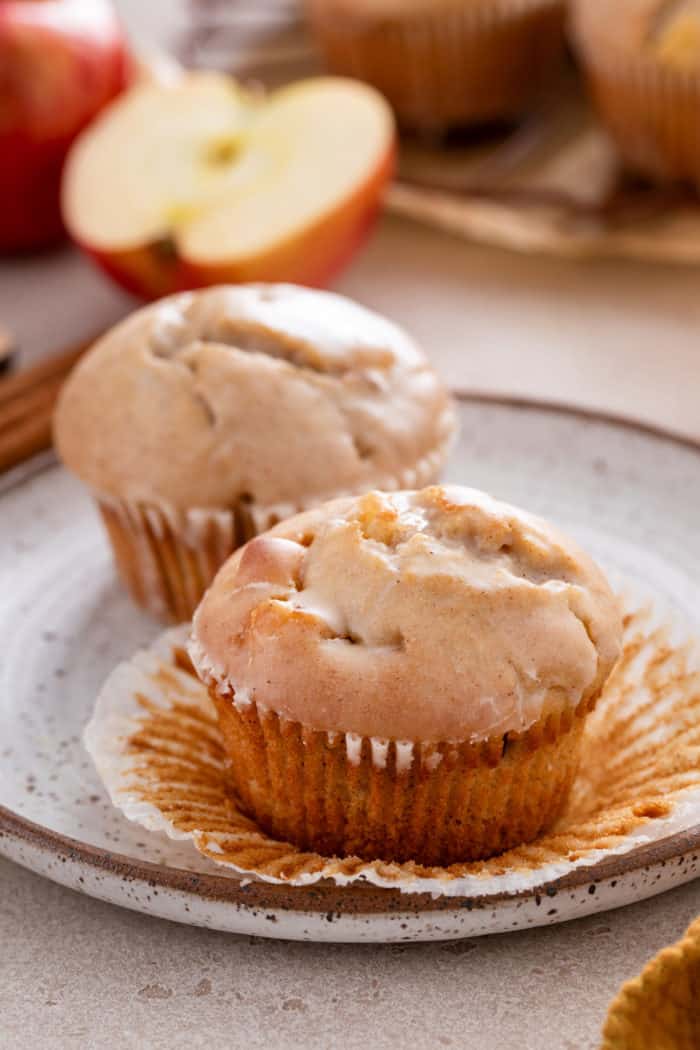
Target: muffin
<point>209,416</point>
<point>443,63</point>
<point>658,1010</point>
<point>642,62</point>
<point>406,675</point>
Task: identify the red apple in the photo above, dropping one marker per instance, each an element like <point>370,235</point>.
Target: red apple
<point>61,61</point>
<point>194,182</point>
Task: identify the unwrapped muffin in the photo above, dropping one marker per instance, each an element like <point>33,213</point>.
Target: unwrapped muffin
<point>209,416</point>
<point>406,675</point>
<point>642,61</point>
<point>443,63</point>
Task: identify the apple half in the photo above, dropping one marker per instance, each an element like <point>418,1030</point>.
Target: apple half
<point>196,182</point>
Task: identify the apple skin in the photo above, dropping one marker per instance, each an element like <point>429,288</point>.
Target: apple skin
<point>61,62</point>
<point>313,258</point>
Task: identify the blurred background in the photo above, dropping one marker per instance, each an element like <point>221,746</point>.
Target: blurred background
<point>541,236</point>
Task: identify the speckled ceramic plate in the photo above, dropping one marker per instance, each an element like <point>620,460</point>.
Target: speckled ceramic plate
<point>630,496</point>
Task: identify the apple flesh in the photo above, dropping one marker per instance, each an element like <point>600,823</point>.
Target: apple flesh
<point>61,61</point>
<point>198,182</point>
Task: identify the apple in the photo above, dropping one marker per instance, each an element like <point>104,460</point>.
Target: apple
<point>61,61</point>
<point>197,181</point>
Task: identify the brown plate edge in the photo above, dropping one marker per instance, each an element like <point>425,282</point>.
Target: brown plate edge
<point>527,402</point>
<point>326,896</point>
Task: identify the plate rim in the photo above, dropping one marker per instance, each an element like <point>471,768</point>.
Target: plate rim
<point>324,896</point>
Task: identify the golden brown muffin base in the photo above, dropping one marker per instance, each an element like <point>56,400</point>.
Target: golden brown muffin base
<point>450,66</point>
<point>651,112</point>
<point>476,801</point>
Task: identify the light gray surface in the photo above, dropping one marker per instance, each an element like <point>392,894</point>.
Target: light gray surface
<point>75,973</point>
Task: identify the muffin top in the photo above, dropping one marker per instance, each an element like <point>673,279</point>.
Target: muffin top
<point>272,394</point>
<point>433,615</point>
<point>667,31</point>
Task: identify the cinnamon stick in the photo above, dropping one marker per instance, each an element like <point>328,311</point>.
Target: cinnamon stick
<point>27,401</point>
<point>56,365</point>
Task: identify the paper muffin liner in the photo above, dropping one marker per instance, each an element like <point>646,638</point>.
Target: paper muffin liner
<point>347,795</point>
<point>451,64</point>
<point>158,747</point>
<point>167,558</point>
<point>650,111</point>
<point>661,1007</point>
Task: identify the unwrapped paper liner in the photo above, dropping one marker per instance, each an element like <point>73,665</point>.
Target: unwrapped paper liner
<point>155,741</point>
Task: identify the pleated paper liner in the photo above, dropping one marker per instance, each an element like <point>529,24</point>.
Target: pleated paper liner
<point>155,740</point>
<point>165,571</point>
<point>452,64</point>
<point>660,1009</point>
<point>652,113</point>
<point>167,559</point>
<point>347,795</point>
<point>646,97</point>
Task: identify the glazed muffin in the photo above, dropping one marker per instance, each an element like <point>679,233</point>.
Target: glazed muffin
<point>642,61</point>
<point>209,416</point>
<point>443,63</point>
<point>406,675</point>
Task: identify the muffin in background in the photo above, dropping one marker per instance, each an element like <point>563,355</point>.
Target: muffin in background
<point>209,416</point>
<point>445,63</point>
<point>406,676</point>
<point>642,62</point>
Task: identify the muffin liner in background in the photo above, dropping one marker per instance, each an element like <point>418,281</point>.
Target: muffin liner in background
<point>650,110</point>
<point>167,558</point>
<point>660,1009</point>
<point>450,64</point>
<point>158,747</point>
